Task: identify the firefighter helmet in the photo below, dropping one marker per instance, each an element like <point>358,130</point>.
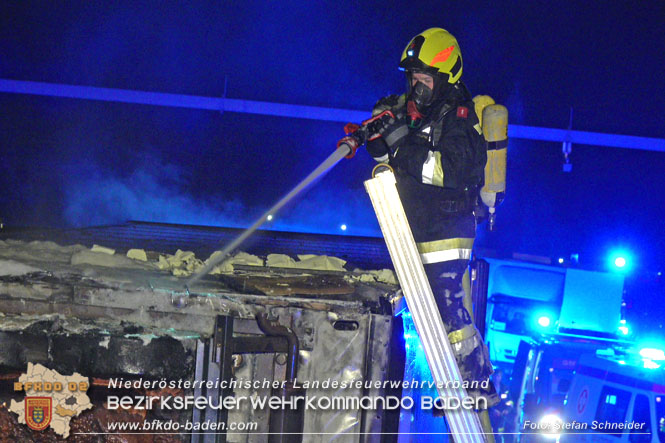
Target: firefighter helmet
<point>434,51</point>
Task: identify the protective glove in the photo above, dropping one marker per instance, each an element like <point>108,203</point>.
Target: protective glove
<point>388,102</point>
<point>393,129</point>
<point>378,149</point>
<point>388,121</point>
<point>355,137</point>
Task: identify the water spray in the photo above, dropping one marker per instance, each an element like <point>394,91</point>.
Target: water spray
<point>345,148</point>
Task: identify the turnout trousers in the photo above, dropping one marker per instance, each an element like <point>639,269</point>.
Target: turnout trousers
<point>445,250</point>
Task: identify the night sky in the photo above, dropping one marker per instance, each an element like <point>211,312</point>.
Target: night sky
<point>70,162</point>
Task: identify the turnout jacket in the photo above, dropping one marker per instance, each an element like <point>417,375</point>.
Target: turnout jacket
<point>439,168</point>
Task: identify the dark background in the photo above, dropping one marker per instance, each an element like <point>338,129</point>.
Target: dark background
<point>70,162</point>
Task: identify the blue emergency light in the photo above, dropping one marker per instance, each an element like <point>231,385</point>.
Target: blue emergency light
<point>652,354</point>
<point>544,321</point>
<point>620,261</point>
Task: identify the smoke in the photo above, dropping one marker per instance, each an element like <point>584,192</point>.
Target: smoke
<point>161,192</point>
<point>154,191</point>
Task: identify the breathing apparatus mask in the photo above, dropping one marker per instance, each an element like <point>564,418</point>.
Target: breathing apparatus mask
<point>421,97</point>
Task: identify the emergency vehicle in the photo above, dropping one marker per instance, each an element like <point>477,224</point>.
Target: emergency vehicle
<point>543,373</point>
<point>527,300</point>
<point>617,398</point>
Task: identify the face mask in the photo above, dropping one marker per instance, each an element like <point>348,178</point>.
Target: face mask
<point>417,103</point>
<point>421,95</point>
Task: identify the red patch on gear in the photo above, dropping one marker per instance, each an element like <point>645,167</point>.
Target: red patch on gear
<point>462,112</point>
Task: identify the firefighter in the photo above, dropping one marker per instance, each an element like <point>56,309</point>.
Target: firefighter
<point>434,142</point>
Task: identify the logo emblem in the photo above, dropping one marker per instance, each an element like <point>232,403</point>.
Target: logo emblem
<point>38,412</point>
<point>462,112</point>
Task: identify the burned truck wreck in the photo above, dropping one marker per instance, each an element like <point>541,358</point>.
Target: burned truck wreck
<point>263,327</point>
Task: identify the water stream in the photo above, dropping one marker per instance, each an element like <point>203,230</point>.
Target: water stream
<point>324,167</point>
